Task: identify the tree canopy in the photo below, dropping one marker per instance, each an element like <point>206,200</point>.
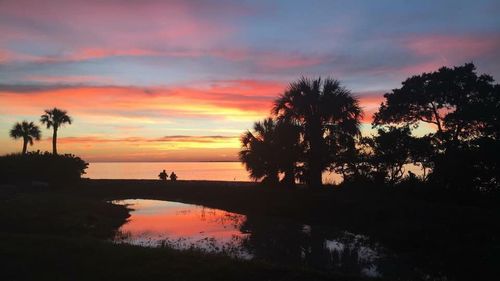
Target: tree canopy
<point>458,102</point>
<point>464,109</point>
<point>28,131</point>
<point>329,117</point>
<point>271,148</point>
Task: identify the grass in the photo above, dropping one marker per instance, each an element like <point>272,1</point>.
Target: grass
<point>46,257</point>
<point>59,234</point>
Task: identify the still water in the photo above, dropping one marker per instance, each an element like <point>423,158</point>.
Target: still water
<point>155,223</point>
<point>217,171</point>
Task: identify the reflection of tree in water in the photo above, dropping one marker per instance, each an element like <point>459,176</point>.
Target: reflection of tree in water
<point>231,247</point>
<point>291,243</point>
<point>273,240</point>
<point>349,253</point>
<point>222,217</point>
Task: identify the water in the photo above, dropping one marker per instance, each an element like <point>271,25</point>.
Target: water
<point>155,223</point>
<point>223,171</point>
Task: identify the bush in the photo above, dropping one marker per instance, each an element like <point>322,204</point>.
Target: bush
<point>45,167</point>
<point>474,168</point>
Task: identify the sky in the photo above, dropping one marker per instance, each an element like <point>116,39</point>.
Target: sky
<point>182,80</point>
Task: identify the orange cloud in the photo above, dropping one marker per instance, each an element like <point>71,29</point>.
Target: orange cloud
<point>179,138</point>
<point>237,100</point>
<point>168,142</point>
<point>370,103</point>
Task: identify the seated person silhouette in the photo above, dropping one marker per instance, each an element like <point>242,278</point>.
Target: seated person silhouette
<point>412,176</point>
<point>173,176</point>
<point>163,176</point>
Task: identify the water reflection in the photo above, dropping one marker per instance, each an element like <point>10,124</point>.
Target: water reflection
<point>314,246</point>
<point>156,223</point>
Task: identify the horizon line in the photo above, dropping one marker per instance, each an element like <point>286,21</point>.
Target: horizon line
<point>171,161</point>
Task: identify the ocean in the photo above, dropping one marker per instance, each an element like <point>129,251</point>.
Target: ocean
<point>217,171</point>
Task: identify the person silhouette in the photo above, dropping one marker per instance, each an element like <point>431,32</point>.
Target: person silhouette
<point>412,176</point>
<point>163,175</point>
<point>173,176</point>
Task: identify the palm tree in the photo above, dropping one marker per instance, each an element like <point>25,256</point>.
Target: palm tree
<point>289,149</point>
<point>271,148</point>
<point>55,118</point>
<point>26,130</point>
<point>328,114</point>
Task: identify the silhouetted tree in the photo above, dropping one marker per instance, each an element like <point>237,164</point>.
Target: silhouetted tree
<point>55,118</point>
<point>390,151</point>
<point>422,153</point>
<point>26,130</point>
<point>328,115</point>
<point>464,108</point>
<point>458,102</point>
<point>271,148</point>
<point>354,164</point>
<point>289,150</point>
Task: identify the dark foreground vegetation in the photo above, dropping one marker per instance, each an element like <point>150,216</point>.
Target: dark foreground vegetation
<point>41,167</point>
<point>60,234</point>
<point>451,235</point>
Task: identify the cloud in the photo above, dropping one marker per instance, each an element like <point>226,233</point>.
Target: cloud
<point>453,47</point>
<point>231,99</point>
<point>172,22</point>
<point>186,139</point>
<point>245,100</point>
<point>137,148</point>
<point>69,79</point>
<point>370,102</point>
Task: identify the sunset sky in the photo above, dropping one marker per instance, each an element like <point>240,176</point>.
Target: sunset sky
<point>182,80</point>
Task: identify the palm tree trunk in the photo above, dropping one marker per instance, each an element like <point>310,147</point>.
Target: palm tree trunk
<point>315,157</point>
<point>54,142</point>
<point>25,146</point>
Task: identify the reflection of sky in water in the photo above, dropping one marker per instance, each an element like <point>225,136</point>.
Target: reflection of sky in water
<point>155,223</point>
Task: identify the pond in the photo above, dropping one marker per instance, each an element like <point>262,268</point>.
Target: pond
<point>155,223</point>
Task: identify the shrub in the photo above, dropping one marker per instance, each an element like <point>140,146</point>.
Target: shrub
<point>37,166</point>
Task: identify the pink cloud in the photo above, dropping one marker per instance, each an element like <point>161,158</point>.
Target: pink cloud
<point>436,51</point>
<point>263,59</point>
<point>112,25</point>
<point>453,47</point>
<point>370,103</point>
<point>235,99</point>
